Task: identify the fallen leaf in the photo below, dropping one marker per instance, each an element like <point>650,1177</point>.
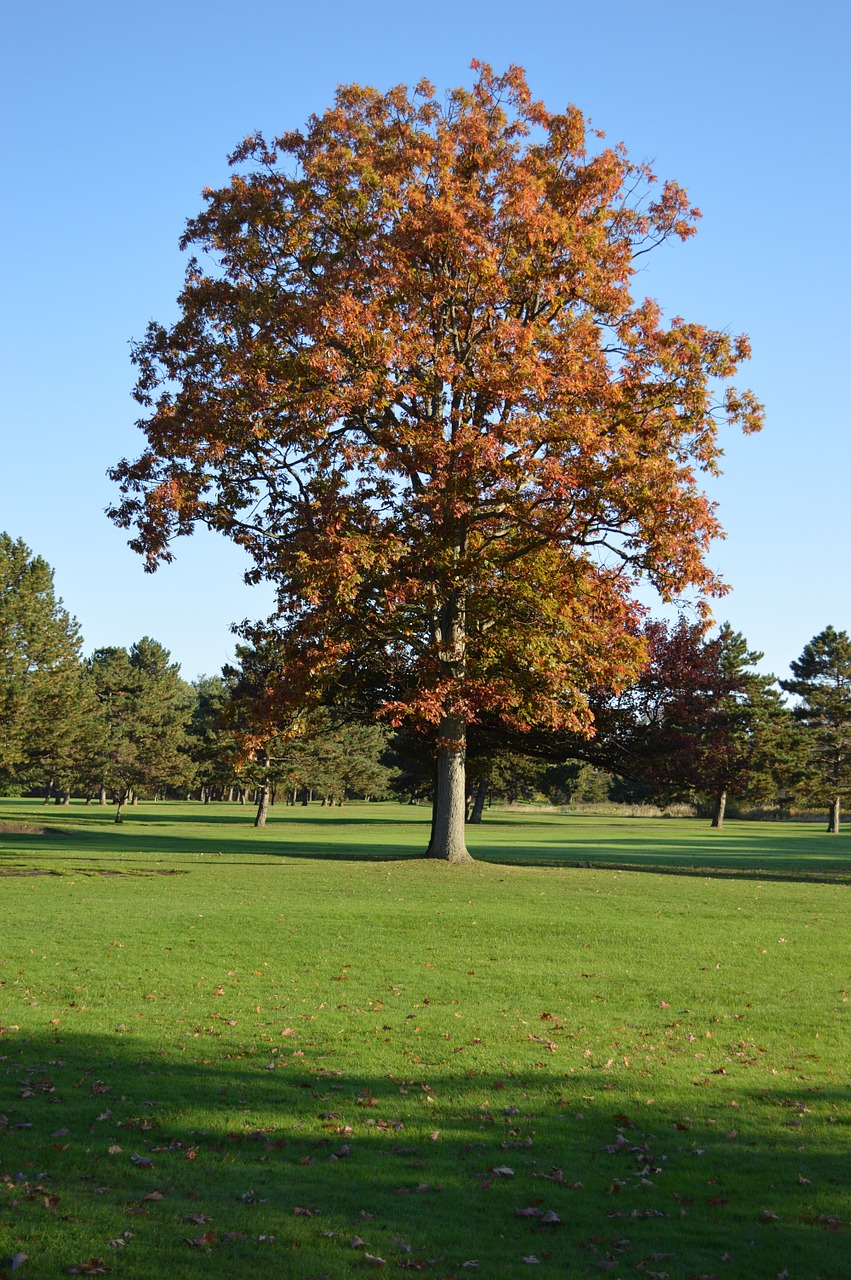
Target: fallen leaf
<point>206,1241</point>
<point>141,1162</point>
<point>376,1262</point>
<point>18,1261</point>
<point>94,1267</point>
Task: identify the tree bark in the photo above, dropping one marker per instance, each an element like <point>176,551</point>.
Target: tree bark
<point>122,796</point>
<point>479,801</point>
<point>720,806</point>
<point>447,836</point>
<point>833,823</point>
<point>263,806</point>
<point>102,794</point>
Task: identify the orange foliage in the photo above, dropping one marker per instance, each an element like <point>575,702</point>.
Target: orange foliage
<point>410,377</point>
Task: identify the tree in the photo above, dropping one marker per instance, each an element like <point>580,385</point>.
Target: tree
<point>822,682</point>
<point>746,730</point>
<point>145,708</point>
<point>212,744</point>
<point>42,703</point>
<point>410,379</point>
<point>698,722</point>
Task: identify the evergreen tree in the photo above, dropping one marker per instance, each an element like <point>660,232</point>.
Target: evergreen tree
<point>211,742</point>
<point>822,682</point>
<point>42,708</point>
<point>745,729</point>
<point>144,708</point>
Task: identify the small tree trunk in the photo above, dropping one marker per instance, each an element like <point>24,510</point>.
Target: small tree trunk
<point>48,791</point>
<point>102,794</point>
<point>833,824</point>
<point>122,797</point>
<point>447,835</point>
<point>479,801</point>
<point>720,806</point>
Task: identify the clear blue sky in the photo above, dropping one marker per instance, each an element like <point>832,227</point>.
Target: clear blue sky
<point>115,116</point>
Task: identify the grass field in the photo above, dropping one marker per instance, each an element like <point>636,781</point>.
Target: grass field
<point>304,1051</point>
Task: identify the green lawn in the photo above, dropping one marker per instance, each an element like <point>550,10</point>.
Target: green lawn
<point>229,1052</point>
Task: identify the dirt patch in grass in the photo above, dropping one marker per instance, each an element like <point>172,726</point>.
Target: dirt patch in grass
<point>26,829</point>
<point>27,871</point>
<point>86,871</point>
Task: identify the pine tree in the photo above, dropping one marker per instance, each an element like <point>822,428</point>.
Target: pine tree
<point>42,708</point>
<point>145,708</point>
<point>822,682</point>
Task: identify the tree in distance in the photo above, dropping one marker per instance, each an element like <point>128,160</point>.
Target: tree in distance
<point>698,722</point>
<point>43,704</point>
<point>144,714</point>
<point>410,378</point>
<point>822,682</point>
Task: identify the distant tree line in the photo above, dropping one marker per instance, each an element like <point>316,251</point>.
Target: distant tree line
<point>700,725</point>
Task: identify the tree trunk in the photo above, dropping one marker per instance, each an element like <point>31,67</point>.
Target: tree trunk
<point>447,835</point>
<point>122,796</point>
<point>720,806</point>
<point>833,824</point>
<point>102,794</point>
<point>479,802</point>
<point>48,791</point>
<point>263,806</point>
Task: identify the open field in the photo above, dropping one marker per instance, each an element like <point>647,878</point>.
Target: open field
<point>229,1052</point>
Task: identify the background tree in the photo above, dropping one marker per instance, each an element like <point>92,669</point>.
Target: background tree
<point>145,708</point>
<point>411,380</point>
<point>698,722</point>
<point>43,708</point>
<point>212,744</point>
<point>822,682</point>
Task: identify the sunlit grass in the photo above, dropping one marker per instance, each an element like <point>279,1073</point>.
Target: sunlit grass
<point>308,1017</point>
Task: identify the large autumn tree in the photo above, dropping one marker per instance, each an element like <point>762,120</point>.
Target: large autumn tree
<point>410,377</point>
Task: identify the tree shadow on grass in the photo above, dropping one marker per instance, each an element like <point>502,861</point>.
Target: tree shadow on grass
<point>300,1166</point>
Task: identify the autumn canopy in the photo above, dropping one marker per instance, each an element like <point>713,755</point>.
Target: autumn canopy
<point>411,379</point>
